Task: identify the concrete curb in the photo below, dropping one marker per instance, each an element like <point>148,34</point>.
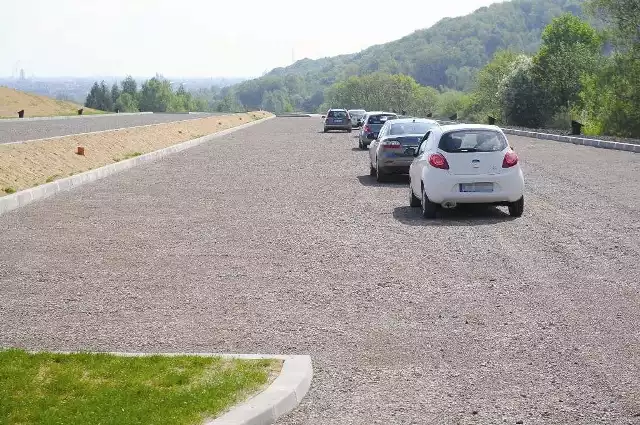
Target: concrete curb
<point>27,196</point>
<point>71,117</point>
<point>280,398</point>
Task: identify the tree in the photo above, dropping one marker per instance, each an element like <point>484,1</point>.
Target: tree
<point>485,95</point>
<point>570,48</point>
<point>129,85</point>
<point>623,17</point>
<point>115,94</point>
<point>126,103</point>
<point>104,99</point>
<point>156,95</point>
<point>92,97</point>
<point>522,99</point>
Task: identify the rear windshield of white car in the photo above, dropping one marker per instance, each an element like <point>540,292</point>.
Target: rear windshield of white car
<point>380,119</point>
<point>472,141</point>
<point>337,114</point>
<point>410,128</point>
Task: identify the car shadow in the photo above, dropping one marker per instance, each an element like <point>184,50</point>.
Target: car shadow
<point>393,180</point>
<point>358,150</point>
<point>466,215</point>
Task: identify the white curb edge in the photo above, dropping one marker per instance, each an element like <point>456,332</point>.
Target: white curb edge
<point>281,397</point>
<point>71,117</point>
<point>27,196</point>
<point>605,144</point>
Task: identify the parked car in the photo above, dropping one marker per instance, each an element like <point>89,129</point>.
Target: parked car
<point>371,125</point>
<point>392,152</point>
<point>337,119</point>
<point>356,117</point>
<point>465,164</point>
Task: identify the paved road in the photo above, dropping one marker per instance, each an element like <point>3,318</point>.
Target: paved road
<point>16,131</point>
<point>275,240</point>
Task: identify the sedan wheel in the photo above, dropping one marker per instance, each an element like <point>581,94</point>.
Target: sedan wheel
<point>380,175</point>
<point>414,201</point>
<point>429,209</point>
<point>516,208</point>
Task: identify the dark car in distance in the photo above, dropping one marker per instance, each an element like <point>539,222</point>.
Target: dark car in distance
<point>337,119</point>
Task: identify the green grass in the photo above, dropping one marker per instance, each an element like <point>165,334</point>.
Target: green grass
<point>52,178</point>
<point>48,388</point>
<point>127,156</point>
<point>9,190</point>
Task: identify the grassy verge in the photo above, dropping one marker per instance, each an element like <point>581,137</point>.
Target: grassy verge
<point>85,388</point>
<point>24,165</point>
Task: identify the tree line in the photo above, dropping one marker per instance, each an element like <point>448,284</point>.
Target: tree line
<point>579,73</point>
<point>155,95</point>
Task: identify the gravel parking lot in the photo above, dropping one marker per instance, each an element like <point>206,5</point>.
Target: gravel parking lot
<point>275,240</point>
<point>17,131</point>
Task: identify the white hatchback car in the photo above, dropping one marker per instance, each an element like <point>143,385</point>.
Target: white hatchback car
<point>465,164</point>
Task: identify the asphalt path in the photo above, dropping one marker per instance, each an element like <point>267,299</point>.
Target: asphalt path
<point>274,239</point>
<point>17,131</point>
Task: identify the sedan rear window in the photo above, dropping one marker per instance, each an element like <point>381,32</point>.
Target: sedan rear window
<point>380,119</point>
<point>337,114</point>
<point>472,141</point>
<point>410,128</point>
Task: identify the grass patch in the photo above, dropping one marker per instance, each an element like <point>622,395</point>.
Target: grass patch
<point>52,178</point>
<point>127,156</point>
<point>131,155</point>
<point>9,190</point>
<point>47,388</point>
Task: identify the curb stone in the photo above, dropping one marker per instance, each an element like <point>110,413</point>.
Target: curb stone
<point>71,117</point>
<point>603,144</point>
<point>281,397</point>
<point>27,196</point>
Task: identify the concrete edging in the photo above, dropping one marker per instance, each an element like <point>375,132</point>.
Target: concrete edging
<point>604,144</point>
<point>27,196</point>
<point>70,117</point>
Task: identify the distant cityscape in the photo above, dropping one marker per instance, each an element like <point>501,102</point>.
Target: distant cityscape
<point>75,89</point>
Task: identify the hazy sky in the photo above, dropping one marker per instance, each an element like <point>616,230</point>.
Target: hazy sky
<point>199,38</point>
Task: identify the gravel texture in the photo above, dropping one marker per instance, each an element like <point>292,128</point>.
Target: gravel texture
<point>275,240</point>
<point>12,131</point>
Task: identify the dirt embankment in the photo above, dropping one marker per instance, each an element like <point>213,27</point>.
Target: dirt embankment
<point>12,101</point>
<point>24,165</point>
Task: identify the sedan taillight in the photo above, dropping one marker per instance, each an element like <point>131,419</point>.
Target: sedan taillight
<point>437,160</point>
<point>391,144</point>
<point>510,159</point>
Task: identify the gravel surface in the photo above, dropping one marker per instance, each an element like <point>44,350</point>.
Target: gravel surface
<point>16,131</point>
<point>275,240</point>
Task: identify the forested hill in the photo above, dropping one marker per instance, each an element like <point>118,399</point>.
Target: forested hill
<point>448,54</point>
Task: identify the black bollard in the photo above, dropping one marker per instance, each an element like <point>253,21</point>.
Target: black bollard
<point>454,117</point>
<point>576,128</point>
<point>430,114</point>
<point>492,120</point>
<point>80,111</point>
<point>21,114</point>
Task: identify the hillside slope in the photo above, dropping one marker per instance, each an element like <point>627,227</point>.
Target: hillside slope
<point>448,54</point>
<point>12,101</point>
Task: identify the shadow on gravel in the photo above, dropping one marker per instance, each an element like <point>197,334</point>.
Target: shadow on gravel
<point>392,180</point>
<point>461,216</point>
<point>358,150</point>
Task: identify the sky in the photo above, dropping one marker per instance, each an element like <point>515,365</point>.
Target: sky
<point>199,38</point>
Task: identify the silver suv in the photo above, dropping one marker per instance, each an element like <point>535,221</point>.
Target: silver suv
<point>337,119</point>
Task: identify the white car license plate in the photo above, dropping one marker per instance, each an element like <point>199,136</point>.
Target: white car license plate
<point>476,187</point>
